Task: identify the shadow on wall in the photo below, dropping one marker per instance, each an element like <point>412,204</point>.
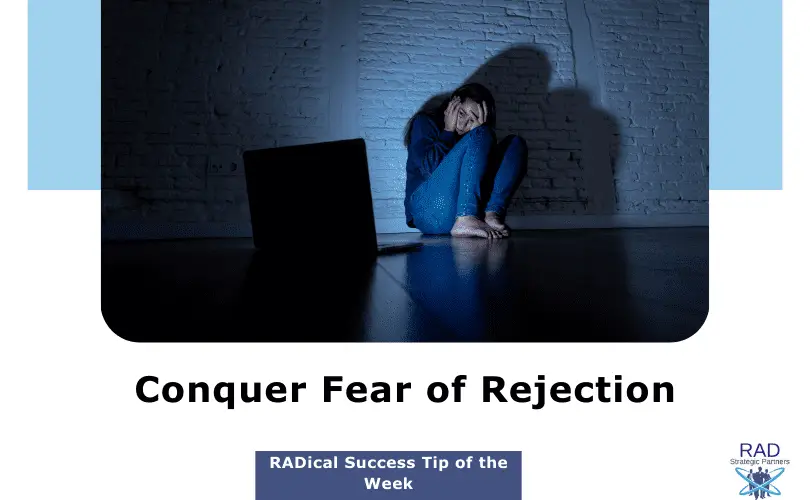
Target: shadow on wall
<point>573,146</point>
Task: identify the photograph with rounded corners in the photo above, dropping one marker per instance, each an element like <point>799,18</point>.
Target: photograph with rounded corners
<point>396,171</point>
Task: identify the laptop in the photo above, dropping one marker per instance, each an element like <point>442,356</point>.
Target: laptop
<point>318,194</point>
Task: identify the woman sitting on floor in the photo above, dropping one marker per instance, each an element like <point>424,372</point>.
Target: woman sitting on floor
<point>460,180</point>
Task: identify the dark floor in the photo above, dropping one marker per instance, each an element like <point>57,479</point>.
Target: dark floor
<point>642,285</point>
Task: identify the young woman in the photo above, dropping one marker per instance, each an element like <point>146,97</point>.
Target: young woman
<point>460,180</point>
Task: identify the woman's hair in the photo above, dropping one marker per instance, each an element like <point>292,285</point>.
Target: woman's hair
<point>474,91</point>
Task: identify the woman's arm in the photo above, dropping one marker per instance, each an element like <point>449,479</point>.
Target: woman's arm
<point>429,145</point>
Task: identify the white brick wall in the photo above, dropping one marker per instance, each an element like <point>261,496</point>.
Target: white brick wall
<point>654,58</point>
<point>188,85</point>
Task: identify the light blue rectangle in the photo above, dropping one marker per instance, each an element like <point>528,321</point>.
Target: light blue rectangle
<point>64,94</point>
<point>64,101</point>
<point>745,94</point>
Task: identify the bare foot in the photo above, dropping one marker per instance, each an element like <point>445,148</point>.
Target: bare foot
<point>471,226</point>
<point>497,223</point>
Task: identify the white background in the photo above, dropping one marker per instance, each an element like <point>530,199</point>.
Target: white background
<point>73,428</point>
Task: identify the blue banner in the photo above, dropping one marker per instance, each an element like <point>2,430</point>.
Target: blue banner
<point>427,475</point>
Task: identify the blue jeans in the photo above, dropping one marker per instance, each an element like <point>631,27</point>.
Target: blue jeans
<point>477,173</point>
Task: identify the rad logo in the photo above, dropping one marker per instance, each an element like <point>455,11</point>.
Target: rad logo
<point>759,466</point>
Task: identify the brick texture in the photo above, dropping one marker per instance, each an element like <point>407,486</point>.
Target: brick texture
<point>654,57</point>
<point>188,85</point>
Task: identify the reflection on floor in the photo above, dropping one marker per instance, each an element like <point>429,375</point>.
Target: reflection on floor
<point>642,285</point>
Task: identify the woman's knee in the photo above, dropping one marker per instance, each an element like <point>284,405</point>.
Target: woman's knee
<point>481,136</point>
<point>516,147</point>
<point>517,143</point>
